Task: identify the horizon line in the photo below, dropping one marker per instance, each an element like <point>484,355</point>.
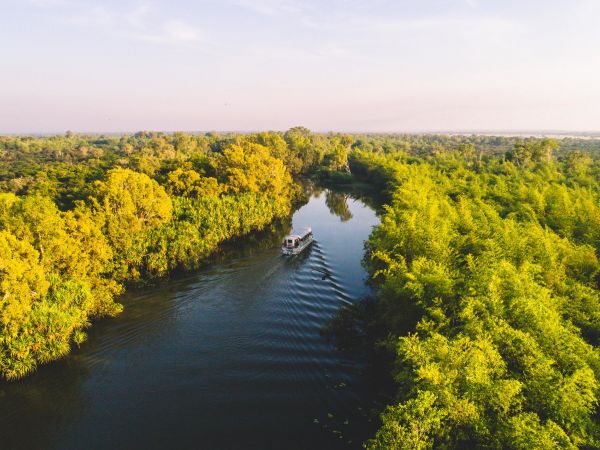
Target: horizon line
<point>565,133</point>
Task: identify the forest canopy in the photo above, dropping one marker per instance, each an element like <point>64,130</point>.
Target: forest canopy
<point>82,217</point>
<point>485,265</point>
<point>487,282</point>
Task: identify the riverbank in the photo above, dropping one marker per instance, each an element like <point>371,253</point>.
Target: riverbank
<point>230,356</point>
<point>130,212</point>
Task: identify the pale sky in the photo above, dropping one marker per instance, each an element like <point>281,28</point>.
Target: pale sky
<point>329,65</point>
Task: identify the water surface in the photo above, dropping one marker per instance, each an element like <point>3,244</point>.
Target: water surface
<point>229,357</point>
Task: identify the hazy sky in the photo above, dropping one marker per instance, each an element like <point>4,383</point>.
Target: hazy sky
<point>348,65</point>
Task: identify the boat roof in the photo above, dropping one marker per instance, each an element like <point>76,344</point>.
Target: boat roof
<point>299,232</point>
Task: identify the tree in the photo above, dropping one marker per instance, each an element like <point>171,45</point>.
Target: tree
<point>251,168</point>
<point>305,154</point>
<point>413,425</point>
<point>22,283</point>
<point>183,182</point>
<point>132,203</point>
<point>189,183</point>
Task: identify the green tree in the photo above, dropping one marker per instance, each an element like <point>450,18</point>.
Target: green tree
<point>251,168</point>
<point>132,202</point>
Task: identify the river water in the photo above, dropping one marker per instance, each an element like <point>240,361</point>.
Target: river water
<point>229,357</point>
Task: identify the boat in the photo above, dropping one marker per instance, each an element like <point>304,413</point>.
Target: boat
<point>297,241</point>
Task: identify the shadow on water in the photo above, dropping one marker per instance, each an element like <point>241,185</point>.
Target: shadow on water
<point>229,357</point>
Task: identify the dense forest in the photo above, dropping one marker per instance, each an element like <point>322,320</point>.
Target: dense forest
<point>485,266</point>
<point>82,217</point>
<point>487,280</point>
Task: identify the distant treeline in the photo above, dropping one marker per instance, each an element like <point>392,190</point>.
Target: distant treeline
<point>424,145</point>
<point>81,217</point>
<point>487,281</point>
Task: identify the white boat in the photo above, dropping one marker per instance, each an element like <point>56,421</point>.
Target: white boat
<point>297,241</point>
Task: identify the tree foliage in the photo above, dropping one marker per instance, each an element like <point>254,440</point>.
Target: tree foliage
<point>82,217</point>
<point>485,263</point>
<point>487,280</point>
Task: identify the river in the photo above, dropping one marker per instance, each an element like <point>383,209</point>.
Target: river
<point>231,356</point>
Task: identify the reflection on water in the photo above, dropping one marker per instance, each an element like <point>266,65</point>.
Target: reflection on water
<point>229,357</point>
<point>337,203</point>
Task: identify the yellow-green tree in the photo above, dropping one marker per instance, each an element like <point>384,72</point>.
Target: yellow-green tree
<point>251,168</point>
<point>189,183</point>
<point>131,202</point>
